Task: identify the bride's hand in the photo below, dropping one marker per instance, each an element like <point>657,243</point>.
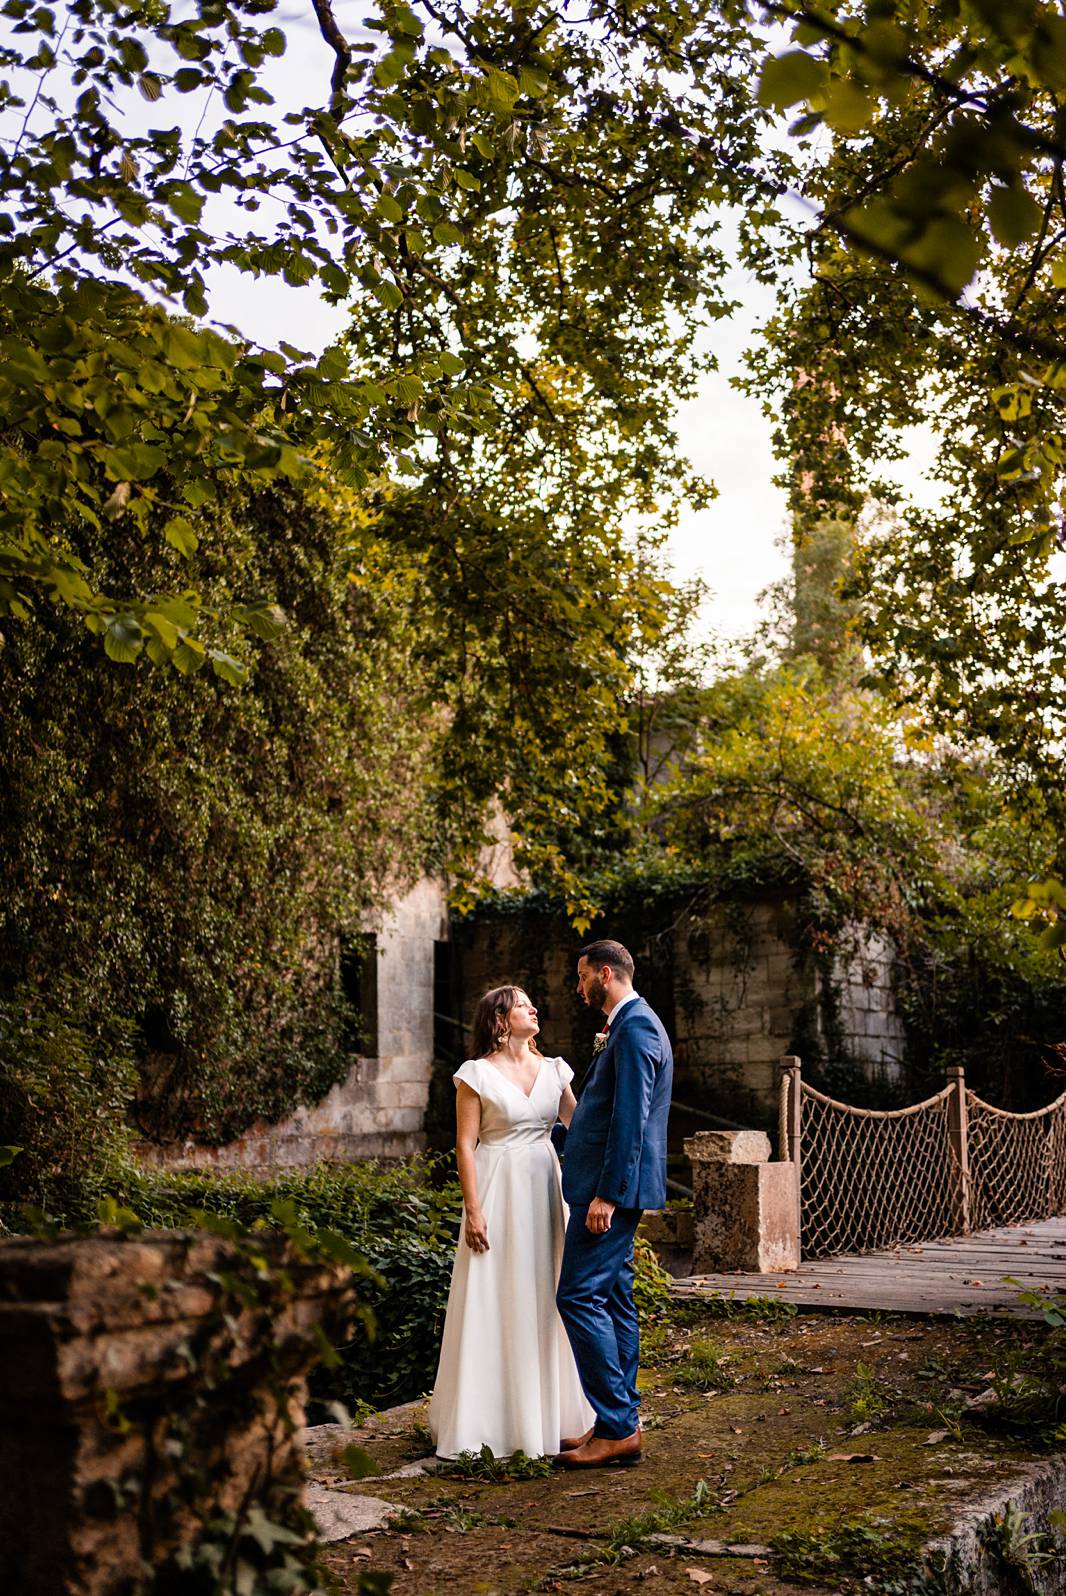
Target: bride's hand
<point>477,1233</point>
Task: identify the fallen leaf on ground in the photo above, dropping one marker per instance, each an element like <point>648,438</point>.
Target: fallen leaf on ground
<point>935,1437</point>
<point>698,1576</point>
<point>853,1457</point>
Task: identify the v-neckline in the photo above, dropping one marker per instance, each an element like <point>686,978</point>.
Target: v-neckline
<point>507,1078</point>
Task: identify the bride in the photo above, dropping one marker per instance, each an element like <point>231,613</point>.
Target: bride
<point>507,1377</point>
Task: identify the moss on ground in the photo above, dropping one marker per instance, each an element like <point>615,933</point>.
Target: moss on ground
<point>842,1443</point>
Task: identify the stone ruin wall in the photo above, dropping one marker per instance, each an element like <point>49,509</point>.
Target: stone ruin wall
<point>729,984</point>
<point>379,1110</point>
<point>731,988</point>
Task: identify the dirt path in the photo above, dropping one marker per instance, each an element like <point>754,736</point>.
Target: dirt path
<point>821,1450</point>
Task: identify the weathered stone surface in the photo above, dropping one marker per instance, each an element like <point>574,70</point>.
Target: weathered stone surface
<point>103,1341</point>
<point>668,1227</point>
<point>728,1147</point>
<point>338,1514</point>
<point>745,1218</point>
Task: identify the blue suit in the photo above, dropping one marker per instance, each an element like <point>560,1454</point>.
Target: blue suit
<point>616,1150</point>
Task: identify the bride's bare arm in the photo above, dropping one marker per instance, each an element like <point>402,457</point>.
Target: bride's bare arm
<point>467,1128</point>
<point>567,1104</point>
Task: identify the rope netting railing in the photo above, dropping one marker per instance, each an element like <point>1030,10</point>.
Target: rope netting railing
<point>1017,1163</point>
<point>872,1179</point>
<point>868,1179</point>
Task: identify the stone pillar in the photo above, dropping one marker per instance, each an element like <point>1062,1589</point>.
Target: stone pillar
<point>148,1384</point>
<point>745,1206</point>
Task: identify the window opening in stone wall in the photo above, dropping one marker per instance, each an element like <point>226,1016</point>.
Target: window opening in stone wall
<point>359,984</point>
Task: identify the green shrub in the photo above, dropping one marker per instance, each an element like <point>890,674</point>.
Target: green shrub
<point>66,1084</point>
<point>651,1283</point>
<point>403,1218</point>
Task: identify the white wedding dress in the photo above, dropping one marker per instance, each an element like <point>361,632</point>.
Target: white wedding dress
<point>507,1376</point>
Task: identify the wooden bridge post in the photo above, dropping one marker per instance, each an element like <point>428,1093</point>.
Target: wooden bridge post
<point>958,1136</point>
<point>791,1123</point>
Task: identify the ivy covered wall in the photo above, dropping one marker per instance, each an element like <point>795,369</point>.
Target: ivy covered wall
<point>182,859</point>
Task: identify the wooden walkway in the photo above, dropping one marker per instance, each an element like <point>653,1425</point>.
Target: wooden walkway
<point>963,1275</point>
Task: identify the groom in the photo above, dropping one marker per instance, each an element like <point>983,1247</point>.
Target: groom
<point>615,1167</point>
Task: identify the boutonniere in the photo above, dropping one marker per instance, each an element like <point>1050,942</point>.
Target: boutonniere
<point>599,1042</point>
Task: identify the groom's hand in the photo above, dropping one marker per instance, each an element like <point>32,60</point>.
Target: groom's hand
<point>598,1219</point>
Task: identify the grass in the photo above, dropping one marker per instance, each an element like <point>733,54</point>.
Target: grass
<point>705,1369</point>
<point>867,1400</point>
<point>853,1555</point>
<point>626,1536</point>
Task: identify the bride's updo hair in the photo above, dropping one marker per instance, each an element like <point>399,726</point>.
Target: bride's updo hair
<point>490,1030</point>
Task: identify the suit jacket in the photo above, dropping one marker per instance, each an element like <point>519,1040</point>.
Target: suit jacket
<point>616,1144</point>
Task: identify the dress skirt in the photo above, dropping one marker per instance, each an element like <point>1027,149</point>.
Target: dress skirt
<point>507,1377</point>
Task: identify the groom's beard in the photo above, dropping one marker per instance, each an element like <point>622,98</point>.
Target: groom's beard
<point>597,995</point>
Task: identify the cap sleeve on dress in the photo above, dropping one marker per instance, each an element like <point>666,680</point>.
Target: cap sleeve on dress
<point>564,1072</point>
<point>470,1075</point>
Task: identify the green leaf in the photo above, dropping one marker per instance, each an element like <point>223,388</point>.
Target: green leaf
<point>181,535</point>
<point>391,68</point>
<point>388,294</point>
<point>229,669</point>
<point>265,619</point>
<point>123,639</point>
<point>358,1464</point>
<point>447,233</point>
<point>1013,215</point>
<point>8,1155</point>
<point>388,208</point>
<point>150,86</point>
<point>533,82</point>
<point>189,656</point>
<point>790,77</point>
<point>135,463</point>
<point>501,90</point>
<point>848,107</point>
<point>185,201</point>
<point>165,631</point>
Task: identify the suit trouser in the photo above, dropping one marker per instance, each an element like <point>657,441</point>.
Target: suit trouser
<point>595,1300</point>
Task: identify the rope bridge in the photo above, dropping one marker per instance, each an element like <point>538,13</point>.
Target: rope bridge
<point>868,1179</point>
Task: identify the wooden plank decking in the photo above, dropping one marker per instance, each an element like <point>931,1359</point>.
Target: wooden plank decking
<point>963,1275</point>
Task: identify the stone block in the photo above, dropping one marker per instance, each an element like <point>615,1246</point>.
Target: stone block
<point>105,1347</point>
<point>745,1218</point>
<point>669,1227</point>
<point>728,1147</point>
<point>389,1093</point>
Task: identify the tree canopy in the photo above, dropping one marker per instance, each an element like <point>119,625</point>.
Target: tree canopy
<point>931,152</point>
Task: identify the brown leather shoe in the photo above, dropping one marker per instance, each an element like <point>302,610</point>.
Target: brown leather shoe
<point>570,1443</point>
<point>601,1453</point>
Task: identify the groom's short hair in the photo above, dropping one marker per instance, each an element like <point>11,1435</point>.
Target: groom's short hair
<point>609,952</point>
